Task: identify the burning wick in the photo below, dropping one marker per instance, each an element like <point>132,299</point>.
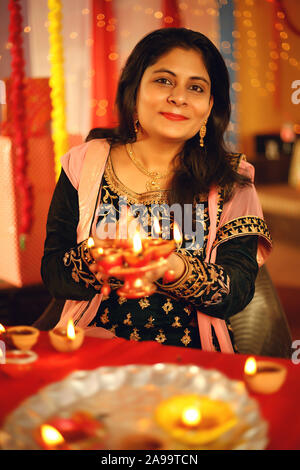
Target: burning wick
<point>156,228</point>
<point>2,329</point>
<point>90,242</point>
<point>250,366</point>
<point>138,283</point>
<point>71,330</point>
<point>51,436</point>
<point>191,417</point>
<point>177,235</point>
<point>137,243</point>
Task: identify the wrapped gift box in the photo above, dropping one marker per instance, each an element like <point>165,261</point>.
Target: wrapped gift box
<point>22,267</point>
<point>37,106</point>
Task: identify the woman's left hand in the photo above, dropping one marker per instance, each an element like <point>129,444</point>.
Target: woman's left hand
<point>173,263</point>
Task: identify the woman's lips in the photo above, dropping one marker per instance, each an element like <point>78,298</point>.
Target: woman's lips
<point>174,117</point>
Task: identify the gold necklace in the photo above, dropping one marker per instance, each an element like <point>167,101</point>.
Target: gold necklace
<point>152,184</point>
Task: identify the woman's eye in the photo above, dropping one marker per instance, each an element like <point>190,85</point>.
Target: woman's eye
<point>164,81</point>
<point>197,88</point>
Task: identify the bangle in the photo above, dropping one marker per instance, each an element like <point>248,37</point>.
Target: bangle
<point>186,273</point>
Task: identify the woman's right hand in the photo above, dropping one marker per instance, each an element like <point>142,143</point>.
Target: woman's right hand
<point>98,273</point>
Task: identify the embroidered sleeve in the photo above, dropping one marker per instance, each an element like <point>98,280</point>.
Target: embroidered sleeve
<point>241,226</point>
<point>77,261</point>
<point>223,288</point>
<point>64,266</point>
<point>202,284</point>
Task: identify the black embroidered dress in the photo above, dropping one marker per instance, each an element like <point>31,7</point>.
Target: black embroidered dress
<point>169,315</point>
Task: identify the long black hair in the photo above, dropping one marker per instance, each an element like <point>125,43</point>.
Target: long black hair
<point>198,167</point>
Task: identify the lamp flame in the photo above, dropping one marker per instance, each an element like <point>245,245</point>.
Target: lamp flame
<point>156,226</point>
<point>90,242</point>
<point>137,243</point>
<point>177,234</point>
<point>50,435</point>
<point>2,329</point>
<point>250,366</point>
<point>138,283</point>
<point>70,329</point>
<point>191,416</point>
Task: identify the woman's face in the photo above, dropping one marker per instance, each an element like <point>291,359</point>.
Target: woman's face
<point>173,98</point>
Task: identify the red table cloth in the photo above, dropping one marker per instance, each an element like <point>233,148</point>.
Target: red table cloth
<point>281,409</point>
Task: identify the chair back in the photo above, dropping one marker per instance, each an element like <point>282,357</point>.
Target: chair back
<point>261,328</point>
<point>50,316</point>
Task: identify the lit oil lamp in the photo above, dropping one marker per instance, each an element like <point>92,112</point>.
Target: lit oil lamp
<point>160,248</point>
<point>150,243</point>
<point>134,272</point>
<point>157,246</point>
<point>137,256</point>
<point>194,420</point>
<point>264,376</point>
<point>66,340</point>
<point>107,258</point>
<point>3,334</point>
<point>78,432</point>
<point>51,439</point>
<point>133,261</point>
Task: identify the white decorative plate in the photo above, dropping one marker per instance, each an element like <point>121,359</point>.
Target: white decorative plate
<point>128,396</point>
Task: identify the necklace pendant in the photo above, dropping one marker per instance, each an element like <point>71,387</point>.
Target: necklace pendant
<point>152,185</point>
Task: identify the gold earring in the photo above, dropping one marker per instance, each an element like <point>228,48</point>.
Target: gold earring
<point>135,125</point>
<point>202,133</point>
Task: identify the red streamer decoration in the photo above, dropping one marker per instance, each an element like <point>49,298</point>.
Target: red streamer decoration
<point>171,18</point>
<point>104,64</point>
<point>17,103</point>
<point>286,19</point>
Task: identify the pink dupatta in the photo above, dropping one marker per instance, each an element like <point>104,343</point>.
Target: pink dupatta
<point>84,166</point>
<point>245,202</point>
<point>205,322</point>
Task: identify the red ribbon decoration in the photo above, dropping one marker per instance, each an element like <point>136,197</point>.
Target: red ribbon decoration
<point>171,11</point>
<point>104,64</point>
<point>17,103</point>
<point>286,19</point>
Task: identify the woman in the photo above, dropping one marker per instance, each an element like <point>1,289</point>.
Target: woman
<point>174,107</point>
